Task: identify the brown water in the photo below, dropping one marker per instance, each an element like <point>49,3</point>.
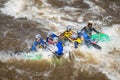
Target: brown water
<point>17,34</point>
<point>43,70</point>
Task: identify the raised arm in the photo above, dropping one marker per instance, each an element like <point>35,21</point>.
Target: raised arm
<point>95,30</point>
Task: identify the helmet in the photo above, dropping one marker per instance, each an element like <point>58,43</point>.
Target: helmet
<point>55,39</point>
<point>49,34</point>
<point>38,36</point>
<point>68,27</point>
<point>73,36</point>
<point>78,31</point>
<point>90,22</point>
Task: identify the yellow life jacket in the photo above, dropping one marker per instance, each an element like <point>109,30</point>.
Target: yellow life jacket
<point>68,34</point>
<point>78,40</point>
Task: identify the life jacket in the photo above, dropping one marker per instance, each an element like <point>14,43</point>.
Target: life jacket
<point>88,31</point>
<point>86,37</point>
<point>35,44</point>
<point>78,40</point>
<point>41,42</point>
<point>67,33</point>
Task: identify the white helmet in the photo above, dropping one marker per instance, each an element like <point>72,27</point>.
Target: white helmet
<point>68,27</point>
<point>38,36</point>
<point>90,22</point>
<point>74,36</point>
<point>55,39</point>
<point>49,34</point>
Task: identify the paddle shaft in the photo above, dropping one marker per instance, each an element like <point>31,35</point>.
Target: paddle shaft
<point>52,52</point>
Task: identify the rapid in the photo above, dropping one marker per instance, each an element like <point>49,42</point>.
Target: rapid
<point>21,20</point>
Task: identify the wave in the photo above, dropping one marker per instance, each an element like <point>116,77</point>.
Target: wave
<point>56,19</point>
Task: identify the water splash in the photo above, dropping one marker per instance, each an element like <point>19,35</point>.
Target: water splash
<point>105,61</point>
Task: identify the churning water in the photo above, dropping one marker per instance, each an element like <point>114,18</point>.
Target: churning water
<point>20,20</point>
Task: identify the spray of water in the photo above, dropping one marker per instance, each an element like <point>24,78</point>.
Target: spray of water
<point>105,61</point>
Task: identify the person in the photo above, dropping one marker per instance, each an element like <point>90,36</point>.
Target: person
<point>59,46</point>
<point>77,40</point>
<point>88,42</point>
<point>86,39</point>
<point>88,29</point>
<point>79,33</point>
<point>39,42</point>
<point>50,36</point>
<point>68,32</point>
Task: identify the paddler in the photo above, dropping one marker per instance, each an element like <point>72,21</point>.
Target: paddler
<point>39,42</point>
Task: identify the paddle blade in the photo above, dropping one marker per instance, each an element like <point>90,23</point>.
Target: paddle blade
<point>100,37</point>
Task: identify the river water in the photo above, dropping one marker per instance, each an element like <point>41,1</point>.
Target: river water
<point>21,20</point>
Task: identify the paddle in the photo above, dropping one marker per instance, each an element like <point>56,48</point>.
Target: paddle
<point>100,37</point>
<point>53,52</point>
<point>95,46</point>
<point>18,52</point>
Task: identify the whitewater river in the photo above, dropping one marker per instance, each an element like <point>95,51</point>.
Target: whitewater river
<point>21,20</point>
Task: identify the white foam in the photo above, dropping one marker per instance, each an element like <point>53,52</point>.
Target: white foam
<point>71,9</point>
<point>94,8</point>
<point>49,16</point>
<point>9,55</point>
